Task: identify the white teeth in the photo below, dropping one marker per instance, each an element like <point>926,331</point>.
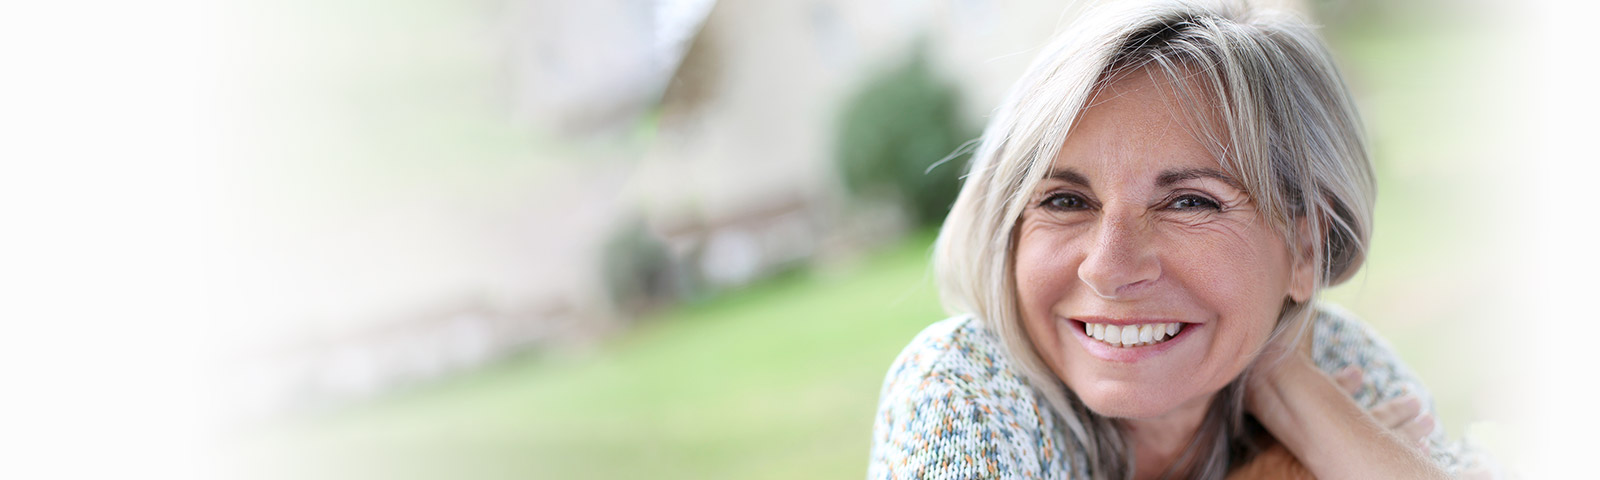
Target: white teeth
<point>1132,335</point>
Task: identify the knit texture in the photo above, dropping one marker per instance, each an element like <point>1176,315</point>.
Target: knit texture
<point>953,407</point>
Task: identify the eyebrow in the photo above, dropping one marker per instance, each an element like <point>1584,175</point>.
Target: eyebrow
<point>1167,178</point>
<point>1068,175</point>
<point>1170,177</point>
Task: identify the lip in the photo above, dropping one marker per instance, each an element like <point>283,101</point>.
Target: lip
<point>1125,354</point>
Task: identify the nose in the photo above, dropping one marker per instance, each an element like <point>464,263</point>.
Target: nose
<point>1121,261</point>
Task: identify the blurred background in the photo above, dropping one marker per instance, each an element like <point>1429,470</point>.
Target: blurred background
<point>685,238</point>
<point>494,239</point>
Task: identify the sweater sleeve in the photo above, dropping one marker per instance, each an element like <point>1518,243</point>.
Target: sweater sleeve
<point>951,408</point>
<point>1340,340</point>
<point>933,432</point>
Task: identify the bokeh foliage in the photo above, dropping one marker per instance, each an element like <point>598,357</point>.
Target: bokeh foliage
<point>637,269</point>
<point>894,131</point>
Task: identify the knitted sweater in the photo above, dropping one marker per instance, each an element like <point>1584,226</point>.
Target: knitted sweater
<point>953,406</point>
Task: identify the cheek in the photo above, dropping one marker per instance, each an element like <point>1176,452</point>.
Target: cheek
<point>1243,280</point>
<point>1240,267</point>
<point>1042,273</point>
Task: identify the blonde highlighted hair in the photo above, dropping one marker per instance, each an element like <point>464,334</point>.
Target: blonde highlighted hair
<point>1288,131</point>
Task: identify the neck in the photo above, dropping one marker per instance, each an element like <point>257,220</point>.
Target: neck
<point>1157,442</point>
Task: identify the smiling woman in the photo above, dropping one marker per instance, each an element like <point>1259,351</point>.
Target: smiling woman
<point>1139,226</point>
<point>1134,262</point>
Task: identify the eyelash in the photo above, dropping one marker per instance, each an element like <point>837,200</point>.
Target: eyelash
<point>1204,202</point>
<point>1049,202</point>
<point>1201,201</point>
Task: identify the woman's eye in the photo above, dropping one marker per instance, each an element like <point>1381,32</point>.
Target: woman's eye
<point>1191,202</point>
<point>1064,202</point>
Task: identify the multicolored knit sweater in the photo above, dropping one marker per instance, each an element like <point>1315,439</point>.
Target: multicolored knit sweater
<point>952,405</point>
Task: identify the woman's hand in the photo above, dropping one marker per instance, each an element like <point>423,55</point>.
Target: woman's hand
<point>1314,418</point>
<point>1402,415</point>
<point>1278,358</point>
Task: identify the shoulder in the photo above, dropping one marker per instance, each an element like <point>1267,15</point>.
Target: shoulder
<point>957,351</point>
<point>1339,333</point>
<point>952,406</point>
<point>1340,339</point>
<point>961,358</point>
<point>1338,336</point>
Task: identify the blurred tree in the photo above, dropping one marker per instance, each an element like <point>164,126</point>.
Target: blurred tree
<point>639,272</point>
<point>894,131</point>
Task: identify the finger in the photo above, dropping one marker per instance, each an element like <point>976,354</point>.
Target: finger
<point>1349,379</point>
<point>1396,413</point>
<point>1418,428</point>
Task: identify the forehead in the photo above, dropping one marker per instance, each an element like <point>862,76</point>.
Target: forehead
<point>1136,126</point>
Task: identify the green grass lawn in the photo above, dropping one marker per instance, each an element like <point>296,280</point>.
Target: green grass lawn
<point>778,381</point>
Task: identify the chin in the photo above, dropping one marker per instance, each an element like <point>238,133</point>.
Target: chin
<point>1127,401</point>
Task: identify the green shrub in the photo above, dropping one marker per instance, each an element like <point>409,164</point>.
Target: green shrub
<point>638,271</point>
<point>897,126</point>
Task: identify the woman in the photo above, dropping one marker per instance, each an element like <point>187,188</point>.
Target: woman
<point>1134,260</point>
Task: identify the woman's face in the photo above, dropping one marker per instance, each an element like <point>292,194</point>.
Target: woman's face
<point>1138,228</point>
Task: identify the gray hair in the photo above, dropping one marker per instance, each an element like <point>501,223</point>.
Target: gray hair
<point>1290,135</point>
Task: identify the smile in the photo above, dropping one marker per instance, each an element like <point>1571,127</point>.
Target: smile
<point>1126,336</point>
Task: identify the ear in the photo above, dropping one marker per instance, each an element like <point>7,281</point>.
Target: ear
<point>1303,272</point>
